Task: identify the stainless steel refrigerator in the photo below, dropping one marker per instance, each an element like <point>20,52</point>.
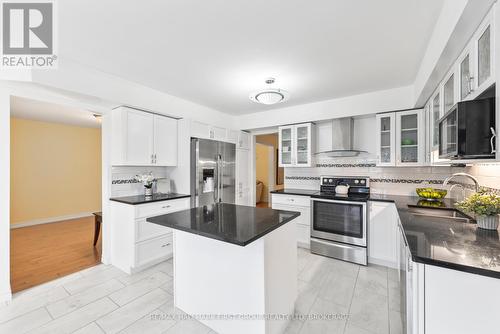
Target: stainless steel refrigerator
<point>213,172</point>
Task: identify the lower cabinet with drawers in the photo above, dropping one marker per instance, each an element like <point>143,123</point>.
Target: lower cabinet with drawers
<point>137,244</point>
<point>301,204</point>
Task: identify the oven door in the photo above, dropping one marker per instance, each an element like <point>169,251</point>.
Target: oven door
<point>342,221</point>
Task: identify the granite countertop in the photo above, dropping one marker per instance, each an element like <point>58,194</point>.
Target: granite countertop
<point>438,241</point>
<point>236,224</point>
<point>445,243</point>
<point>141,199</point>
<point>300,192</point>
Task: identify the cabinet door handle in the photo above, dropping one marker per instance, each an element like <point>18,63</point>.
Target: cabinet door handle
<point>165,207</point>
<point>165,245</point>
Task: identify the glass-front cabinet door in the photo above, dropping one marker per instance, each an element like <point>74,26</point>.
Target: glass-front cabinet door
<point>449,94</point>
<point>286,146</point>
<point>295,145</point>
<point>410,138</point>
<point>448,136</point>
<point>386,124</point>
<point>303,145</point>
<point>466,77</point>
<point>435,115</point>
<point>484,57</point>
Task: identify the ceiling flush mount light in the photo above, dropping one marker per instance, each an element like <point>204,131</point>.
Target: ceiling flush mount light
<point>270,96</point>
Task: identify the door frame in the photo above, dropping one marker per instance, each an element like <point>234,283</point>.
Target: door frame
<point>43,94</point>
<point>253,142</point>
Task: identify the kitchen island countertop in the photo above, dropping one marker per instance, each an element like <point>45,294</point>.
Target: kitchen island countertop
<point>236,224</point>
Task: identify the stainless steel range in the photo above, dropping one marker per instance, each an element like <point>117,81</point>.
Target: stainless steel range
<point>339,221</point>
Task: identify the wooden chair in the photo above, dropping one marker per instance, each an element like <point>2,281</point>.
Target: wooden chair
<point>98,221</point>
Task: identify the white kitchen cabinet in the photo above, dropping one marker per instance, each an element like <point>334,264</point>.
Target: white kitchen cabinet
<point>383,234</point>
<point>143,139</point>
<point>243,140</point>
<point>484,55</point>
<point>300,204</point>
<point>295,145</point>
<point>137,244</point>
<point>243,178</point>
<point>240,138</point>
<point>232,136</point>
<point>386,139</point>
<point>207,131</point>
<point>410,138</point>
<point>165,141</point>
<point>460,303</point>
<point>401,138</point>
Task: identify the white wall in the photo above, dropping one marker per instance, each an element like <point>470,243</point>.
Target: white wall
<point>4,195</point>
<point>363,104</point>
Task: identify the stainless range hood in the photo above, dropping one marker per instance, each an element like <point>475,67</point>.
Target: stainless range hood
<point>342,139</point>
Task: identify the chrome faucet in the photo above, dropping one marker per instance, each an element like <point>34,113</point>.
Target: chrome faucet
<point>448,179</point>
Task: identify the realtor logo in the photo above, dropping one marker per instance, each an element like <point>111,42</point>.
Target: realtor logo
<point>28,34</point>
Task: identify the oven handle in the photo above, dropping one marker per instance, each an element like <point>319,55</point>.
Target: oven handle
<point>338,201</point>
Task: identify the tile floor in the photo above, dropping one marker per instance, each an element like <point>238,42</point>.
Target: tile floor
<point>103,299</point>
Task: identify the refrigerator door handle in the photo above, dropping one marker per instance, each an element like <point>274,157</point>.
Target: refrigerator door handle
<point>219,177</point>
<point>216,179</point>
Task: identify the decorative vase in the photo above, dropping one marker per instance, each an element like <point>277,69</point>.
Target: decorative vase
<point>148,191</point>
<point>487,222</point>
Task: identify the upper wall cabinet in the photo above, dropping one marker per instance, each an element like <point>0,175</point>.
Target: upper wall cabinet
<point>386,139</point>
<point>484,56</point>
<point>206,131</point>
<point>474,69</point>
<point>295,145</point>
<point>143,139</point>
<point>401,138</point>
<point>410,138</point>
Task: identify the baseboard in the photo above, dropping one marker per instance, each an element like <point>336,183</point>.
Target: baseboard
<point>384,263</point>
<point>5,298</point>
<point>50,220</point>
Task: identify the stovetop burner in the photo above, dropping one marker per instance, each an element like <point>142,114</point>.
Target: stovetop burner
<point>359,188</point>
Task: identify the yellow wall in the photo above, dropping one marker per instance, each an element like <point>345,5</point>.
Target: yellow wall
<point>55,170</point>
<point>262,169</point>
<point>272,140</point>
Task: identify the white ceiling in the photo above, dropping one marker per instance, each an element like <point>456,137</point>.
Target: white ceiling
<point>216,52</point>
<point>54,113</point>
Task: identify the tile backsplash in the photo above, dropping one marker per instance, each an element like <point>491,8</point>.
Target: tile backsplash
<point>389,180</point>
<point>123,183</point>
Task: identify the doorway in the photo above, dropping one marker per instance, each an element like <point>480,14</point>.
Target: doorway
<point>55,182</point>
<point>268,175</point>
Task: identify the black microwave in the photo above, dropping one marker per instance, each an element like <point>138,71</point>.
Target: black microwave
<point>467,131</point>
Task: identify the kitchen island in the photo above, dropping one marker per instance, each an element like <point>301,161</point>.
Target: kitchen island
<point>235,267</point>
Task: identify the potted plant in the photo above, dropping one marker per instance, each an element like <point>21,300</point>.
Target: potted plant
<point>485,207</point>
<point>147,181</point>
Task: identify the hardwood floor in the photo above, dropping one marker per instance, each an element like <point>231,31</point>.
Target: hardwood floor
<point>262,205</point>
<point>45,252</point>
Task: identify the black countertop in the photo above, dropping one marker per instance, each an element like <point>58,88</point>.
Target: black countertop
<point>437,241</point>
<point>141,199</point>
<point>236,224</point>
<point>300,192</point>
<point>445,243</point>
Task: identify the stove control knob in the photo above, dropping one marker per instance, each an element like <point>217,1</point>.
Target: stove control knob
<point>356,181</point>
<point>363,181</point>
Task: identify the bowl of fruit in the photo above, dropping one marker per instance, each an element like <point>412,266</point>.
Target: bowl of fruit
<point>431,194</point>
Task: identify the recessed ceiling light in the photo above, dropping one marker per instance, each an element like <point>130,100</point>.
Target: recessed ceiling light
<point>270,96</point>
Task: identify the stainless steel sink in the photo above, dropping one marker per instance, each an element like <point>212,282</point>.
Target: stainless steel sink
<point>440,213</point>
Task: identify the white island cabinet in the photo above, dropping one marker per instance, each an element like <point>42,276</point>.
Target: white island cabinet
<point>234,266</point>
